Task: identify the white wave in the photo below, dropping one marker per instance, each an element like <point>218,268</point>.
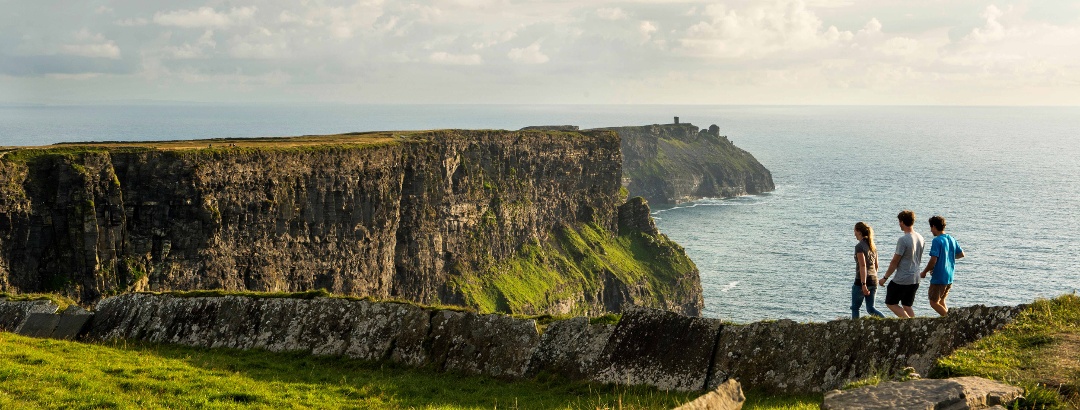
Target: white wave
<point>729,286</point>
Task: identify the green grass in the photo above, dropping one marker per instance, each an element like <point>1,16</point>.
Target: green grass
<point>61,301</point>
<point>40,373</point>
<point>761,401</point>
<point>1039,351</point>
<point>571,264</point>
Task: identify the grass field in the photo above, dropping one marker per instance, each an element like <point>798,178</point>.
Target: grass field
<point>40,373</point>
<point>1040,351</point>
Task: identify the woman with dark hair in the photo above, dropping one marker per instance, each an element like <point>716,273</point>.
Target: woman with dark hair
<point>866,266</point>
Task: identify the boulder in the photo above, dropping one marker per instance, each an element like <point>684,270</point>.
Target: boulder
<point>14,312</point>
<point>727,396</point>
<point>570,348</point>
<point>493,345</point>
<point>659,348</point>
<point>72,323</point>
<point>945,394</point>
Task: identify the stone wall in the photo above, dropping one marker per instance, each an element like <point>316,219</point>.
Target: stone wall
<point>647,346</point>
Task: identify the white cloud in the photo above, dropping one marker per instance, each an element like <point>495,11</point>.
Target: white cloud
<point>489,39</point>
<point>611,13</point>
<point>92,45</point>
<point>647,28</point>
<point>442,57</point>
<point>528,55</point>
<point>204,17</point>
<point>993,30</point>
<point>194,50</point>
<point>132,22</point>
<point>757,31</point>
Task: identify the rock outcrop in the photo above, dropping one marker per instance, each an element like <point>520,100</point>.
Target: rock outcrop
<point>14,313</point>
<point>960,393</point>
<point>454,217</point>
<point>675,163</point>
<point>727,396</point>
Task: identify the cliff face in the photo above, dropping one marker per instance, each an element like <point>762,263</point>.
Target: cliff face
<point>676,163</point>
<point>427,216</point>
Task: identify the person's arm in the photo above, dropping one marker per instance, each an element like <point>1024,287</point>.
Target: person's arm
<point>929,266</point>
<point>959,254</point>
<point>895,263</point>
<point>860,267</point>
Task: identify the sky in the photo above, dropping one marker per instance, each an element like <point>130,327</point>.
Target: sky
<point>887,52</point>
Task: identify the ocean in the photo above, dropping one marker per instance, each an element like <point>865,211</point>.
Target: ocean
<point>1007,180</point>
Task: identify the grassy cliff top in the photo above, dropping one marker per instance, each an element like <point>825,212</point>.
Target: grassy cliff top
<point>261,142</point>
<point>356,139</point>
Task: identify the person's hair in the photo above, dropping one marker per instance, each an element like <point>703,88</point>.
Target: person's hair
<point>938,222</point>
<point>907,217</point>
<point>867,234</point>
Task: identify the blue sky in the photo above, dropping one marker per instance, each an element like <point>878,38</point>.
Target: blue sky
<point>535,52</point>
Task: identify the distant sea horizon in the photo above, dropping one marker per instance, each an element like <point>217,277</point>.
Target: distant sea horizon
<point>1007,180</point>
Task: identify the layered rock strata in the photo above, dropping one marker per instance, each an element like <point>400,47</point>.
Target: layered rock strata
<point>431,217</point>
<point>646,347</point>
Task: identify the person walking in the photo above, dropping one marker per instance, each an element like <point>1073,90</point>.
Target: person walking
<point>907,258</point>
<point>866,268</point>
<point>944,251</point>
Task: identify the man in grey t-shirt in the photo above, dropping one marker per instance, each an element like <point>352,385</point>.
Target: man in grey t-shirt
<point>905,262</point>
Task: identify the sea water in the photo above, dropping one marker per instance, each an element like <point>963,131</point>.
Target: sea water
<point>1007,180</point>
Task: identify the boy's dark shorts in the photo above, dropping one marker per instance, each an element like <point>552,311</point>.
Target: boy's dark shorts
<point>897,294</point>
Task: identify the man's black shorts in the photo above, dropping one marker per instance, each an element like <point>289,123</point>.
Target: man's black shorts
<point>900,294</point>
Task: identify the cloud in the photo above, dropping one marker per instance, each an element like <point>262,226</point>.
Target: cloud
<point>91,45</point>
<point>204,17</point>
<point>528,55</point>
<point>758,31</point>
<point>132,22</point>
<point>993,30</point>
<point>198,49</point>
<point>611,13</point>
<point>442,57</point>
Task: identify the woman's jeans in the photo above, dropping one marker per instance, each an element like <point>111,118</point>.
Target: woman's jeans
<point>857,300</point>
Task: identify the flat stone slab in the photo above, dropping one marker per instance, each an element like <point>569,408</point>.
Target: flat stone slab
<point>72,323</point>
<point>659,348</point>
<point>958,393</point>
<point>39,325</point>
<point>727,396</point>
<point>14,312</point>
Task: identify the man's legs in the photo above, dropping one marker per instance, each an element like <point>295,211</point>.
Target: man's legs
<point>910,312</point>
<point>893,295</point>
<point>937,294</point>
<point>907,298</point>
<point>901,312</point>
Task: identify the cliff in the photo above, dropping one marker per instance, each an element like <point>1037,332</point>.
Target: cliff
<point>520,222</point>
<point>676,163</point>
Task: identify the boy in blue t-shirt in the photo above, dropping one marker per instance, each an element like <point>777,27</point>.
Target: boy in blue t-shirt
<point>944,252</point>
